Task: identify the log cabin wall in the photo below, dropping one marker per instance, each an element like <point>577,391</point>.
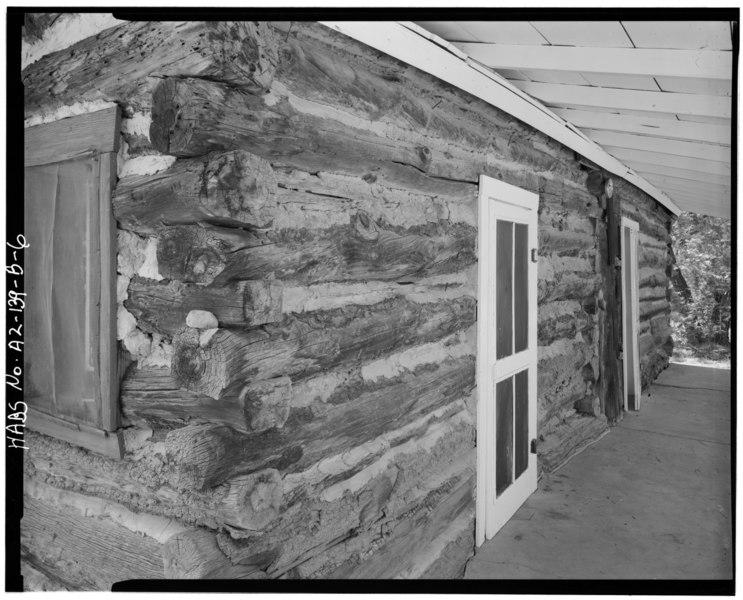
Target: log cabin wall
<point>297,286</point>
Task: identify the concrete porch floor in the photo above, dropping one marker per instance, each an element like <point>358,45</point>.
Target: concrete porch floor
<point>650,500</point>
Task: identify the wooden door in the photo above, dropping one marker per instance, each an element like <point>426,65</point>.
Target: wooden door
<point>507,353</point>
<point>630,315</point>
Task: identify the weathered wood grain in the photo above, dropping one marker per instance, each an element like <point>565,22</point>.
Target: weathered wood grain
<point>73,137</point>
<point>222,188</point>
<point>210,454</point>
<point>123,64</point>
<point>96,552</point>
<point>359,251</point>
<point>198,253</point>
<point>153,395</point>
<point>415,532</point>
<point>305,344</point>
<point>248,502</point>
<point>195,555</point>
<point>374,88</point>
<point>215,116</point>
<point>162,306</point>
<point>37,577</point>
<point>561,319</point>
<point>570,436</point>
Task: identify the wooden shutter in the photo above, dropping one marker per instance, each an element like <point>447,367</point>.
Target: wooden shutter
<point>70,354</point>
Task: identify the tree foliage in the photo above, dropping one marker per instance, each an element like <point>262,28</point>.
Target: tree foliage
<point>701,245</point>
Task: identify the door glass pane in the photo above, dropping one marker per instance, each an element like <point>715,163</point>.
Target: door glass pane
<point>520,289</point>
<point>503,435</point>
<point>522,422</point>
<point>504,289</point>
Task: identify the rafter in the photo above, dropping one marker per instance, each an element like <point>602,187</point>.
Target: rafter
<point>667,128</point>
<point>584,95</point>
<point>677,162</point>
<point>646,169</point>
<point>703,208</point>
<point>707,64</point>
<point>682,186</point>
<point>665,146</point>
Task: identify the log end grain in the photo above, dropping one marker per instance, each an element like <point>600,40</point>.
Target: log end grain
<point>263,301</point>
<point>252,501</point>
<point>267,403</point>
<point>172,122</point>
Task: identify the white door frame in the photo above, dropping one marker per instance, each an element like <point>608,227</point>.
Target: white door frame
<point>500,199</point>
<point>630,313</point>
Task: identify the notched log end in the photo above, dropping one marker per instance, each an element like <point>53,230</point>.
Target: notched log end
<point>266,403</point>
<point>197,454</point>
<point>241,186</point>
<point>263,301</point>
<point>250,48</point>
<point>190,255</point>
<point>172,118</point>
<point>253,501</point>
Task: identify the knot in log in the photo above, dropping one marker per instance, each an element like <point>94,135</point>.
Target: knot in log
<point>191,364</point>
<point>364,227</point>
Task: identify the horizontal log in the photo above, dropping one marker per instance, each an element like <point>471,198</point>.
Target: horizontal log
<point>429,451</point>
<point>650,277</point>
<point>88,552</point>
<point>367,86</point>
<point>123,64</point>
<point>565,374</point>
<point>151,394</point>
<point>652,257</point>
<point>408,537</point>
<point>221,188</point>
<point>561,319</point>
<point>570,286</point>
<point>326,296</point>
<point>652,218</point>
<point>649,309</point>
<point>210,454</point>
<point>573,434</point>
<point>197,254</point>
<point>162,306</point>
<point>657,241</point>
<point>305,344</point>
<point>154,490</point>
<point>221,117</point>
<point>453,550</point>
<point>648,293</point>
<point>552,239</point>
<point>358,251</point>
<point>397,193</point>
<point>195,555</point>
<point>38,578</point>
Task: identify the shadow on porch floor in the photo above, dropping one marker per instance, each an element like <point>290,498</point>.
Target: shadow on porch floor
<point>650,500</point>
